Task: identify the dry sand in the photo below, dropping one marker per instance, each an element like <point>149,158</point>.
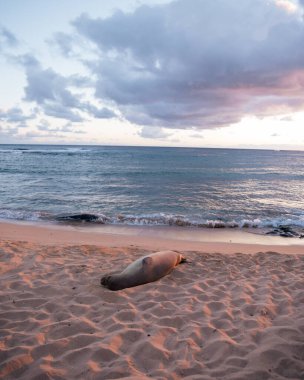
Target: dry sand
<point>219,316</point>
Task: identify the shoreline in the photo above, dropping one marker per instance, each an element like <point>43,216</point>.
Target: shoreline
<point>156,238</point>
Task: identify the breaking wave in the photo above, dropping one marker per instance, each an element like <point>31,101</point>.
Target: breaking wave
<point>157,219</point>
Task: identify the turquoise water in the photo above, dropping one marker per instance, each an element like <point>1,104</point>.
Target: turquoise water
<point>139,185</point>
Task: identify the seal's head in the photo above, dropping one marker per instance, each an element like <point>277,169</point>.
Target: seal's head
<point>110,281</point>
<point>105,280</point>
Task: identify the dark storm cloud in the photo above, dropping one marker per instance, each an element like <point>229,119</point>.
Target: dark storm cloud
<point>52,92</point>
<point>199,63</point>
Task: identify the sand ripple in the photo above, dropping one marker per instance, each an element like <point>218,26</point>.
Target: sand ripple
<point>231,317</point>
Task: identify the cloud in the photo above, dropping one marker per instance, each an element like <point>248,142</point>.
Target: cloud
<point>199,63</point>
<point>46,126</point>
<point>60,111</point>
<point>288,5</point>
<point>7,38</point>
<point>286,118</point>
<point>153,133</point>
<point>9,131</point>
<point>64,42</point>
<point>72,46</point>
<point>80,81</point>
<point>197,136</point>
<point>68,127</point>
<point>46,87</point>
<point>22,125</point>
<point>52,92</point>
<point>100,113</point>
<point>15,115</point>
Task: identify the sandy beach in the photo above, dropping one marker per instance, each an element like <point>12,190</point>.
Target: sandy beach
<point>235,310</point>
<point>152,190</point>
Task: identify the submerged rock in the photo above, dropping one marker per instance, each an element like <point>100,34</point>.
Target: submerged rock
<point>78,218</point>
<point>284,231</point>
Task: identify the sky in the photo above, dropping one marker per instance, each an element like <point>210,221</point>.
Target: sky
<point>194,73</point>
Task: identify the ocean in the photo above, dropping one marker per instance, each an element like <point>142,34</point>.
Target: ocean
<point>200,188</point>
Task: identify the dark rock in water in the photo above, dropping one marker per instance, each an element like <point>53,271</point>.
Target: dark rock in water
<point>284,231</point>
<point>273,233</point>
<point>287,231</point>
<point>287,234</point>
<point>285,228</point>
<point>78,218</point>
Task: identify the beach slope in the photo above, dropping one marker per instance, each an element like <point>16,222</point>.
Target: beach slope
<point>218,316</point>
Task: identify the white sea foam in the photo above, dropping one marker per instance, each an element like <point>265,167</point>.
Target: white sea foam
<point>21,215</point>
<point>160,219</point>
<point>182,221</point>
<point>56,151</point>
<point>44,150</point>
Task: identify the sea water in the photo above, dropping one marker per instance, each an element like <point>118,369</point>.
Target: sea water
<point>153,186</point>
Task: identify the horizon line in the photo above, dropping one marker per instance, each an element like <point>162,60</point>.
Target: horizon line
<point>158,146</point>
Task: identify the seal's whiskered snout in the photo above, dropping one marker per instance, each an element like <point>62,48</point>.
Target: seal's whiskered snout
<point>105,280</point>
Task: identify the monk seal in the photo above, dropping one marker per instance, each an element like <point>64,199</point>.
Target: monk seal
<point>143,270</point>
